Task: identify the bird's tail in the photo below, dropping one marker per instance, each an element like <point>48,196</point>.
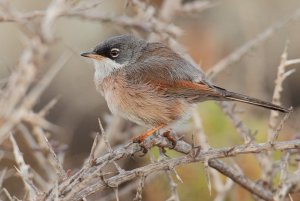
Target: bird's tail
<point>228,95</point>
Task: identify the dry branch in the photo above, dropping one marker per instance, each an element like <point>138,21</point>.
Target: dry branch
<point>244,49</point>
<point>82,176</point>
<point>251,186</point>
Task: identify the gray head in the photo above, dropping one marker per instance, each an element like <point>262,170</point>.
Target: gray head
<point>121,49</point>
<point>114,54</point>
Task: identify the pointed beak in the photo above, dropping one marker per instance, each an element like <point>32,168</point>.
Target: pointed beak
<point>88,54</point>
<point>92,55</point>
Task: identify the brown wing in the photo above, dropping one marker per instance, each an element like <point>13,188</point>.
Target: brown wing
<point>167,72</point>
<point>164,70</point>
<point>192,92</point>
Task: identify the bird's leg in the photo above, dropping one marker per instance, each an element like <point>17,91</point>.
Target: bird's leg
<point>167,135</point>
<point>141,138</point>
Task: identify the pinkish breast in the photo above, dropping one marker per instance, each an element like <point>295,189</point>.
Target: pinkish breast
<point>141,103</point>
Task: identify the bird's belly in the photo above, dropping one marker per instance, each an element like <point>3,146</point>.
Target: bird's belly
<point>143,105</point>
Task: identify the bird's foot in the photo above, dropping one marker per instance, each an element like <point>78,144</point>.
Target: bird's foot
<point>169,137</point>
<point>142,138</point>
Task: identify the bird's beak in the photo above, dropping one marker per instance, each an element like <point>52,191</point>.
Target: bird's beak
<point>92,55</point>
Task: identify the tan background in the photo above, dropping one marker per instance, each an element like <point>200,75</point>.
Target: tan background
<point>208,37</point>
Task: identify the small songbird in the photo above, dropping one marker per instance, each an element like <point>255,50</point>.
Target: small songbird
<point>150,84</point>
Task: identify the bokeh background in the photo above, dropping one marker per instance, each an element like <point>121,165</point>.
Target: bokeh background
<point>208,37</point>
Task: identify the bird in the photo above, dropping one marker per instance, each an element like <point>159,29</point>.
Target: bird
<point>152,85</point>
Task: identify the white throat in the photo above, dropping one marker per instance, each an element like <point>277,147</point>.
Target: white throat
<point>104,68</point>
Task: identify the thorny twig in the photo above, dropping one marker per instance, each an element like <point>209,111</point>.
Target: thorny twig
<point>70,192</point>
<point>23,170</point>
<point>244,49</point>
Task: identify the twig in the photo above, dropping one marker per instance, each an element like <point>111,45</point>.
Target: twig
<point>35,93</point>
<point>24,171</point>
<point>156,167</point>
<point>107,145</point>
<point>2,176</point>
<point>48,107</point>
<point>275,133</point>
<point>244,49</point>
<point>251,186</point>
<point>38,154</point>
<point>92,153</point>
<point>287,186</point>
<point>7,194</point>
<point>195,7</point>
<point>245,132</point>
<point>56,163</point>
<point>174,193</point>
<point>138,196</point>
<point>116,190</point>
<point>282,74</point>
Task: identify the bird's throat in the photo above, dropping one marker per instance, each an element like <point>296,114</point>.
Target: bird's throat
<point>105,68</point>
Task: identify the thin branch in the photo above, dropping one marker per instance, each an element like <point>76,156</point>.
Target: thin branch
<point>9,197</point>
<point>2,176</point>
<point>128,150</point>
<point>287,186</point>
<point>138,196</point>
<point>174,193</point>
<point>56,163</point>
<point>230,110</point>
<point>244,49</point>
<point>237,177</point>
<point>92,153</point>
<point>281,76</point>
<point>24,171</point>
<point>107,145</point>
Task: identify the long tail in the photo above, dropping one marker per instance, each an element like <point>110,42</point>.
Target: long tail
<point>228,95</point>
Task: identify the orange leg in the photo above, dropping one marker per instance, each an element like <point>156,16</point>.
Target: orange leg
<point>141,138</point>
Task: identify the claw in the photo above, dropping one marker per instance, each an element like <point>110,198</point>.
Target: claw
<point>162,149</point>
<point>138,139</point>
<point>170,138</point>
<point>144,150</point>
<point>141,138</point>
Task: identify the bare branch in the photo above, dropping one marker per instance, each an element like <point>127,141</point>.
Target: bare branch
<point>138,196</point>
<point>173,185</point>
<point>281,76</point>
<point>243,50</point>
<point>24,171</point>
<point>56,163</point>
<point>92,153</point>
<point>251,186</point>
<point>67,186</point>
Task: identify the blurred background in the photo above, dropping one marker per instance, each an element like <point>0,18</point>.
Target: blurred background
<point>208,37</point>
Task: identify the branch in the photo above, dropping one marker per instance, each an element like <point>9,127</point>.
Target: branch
<point>243,50</point>
<point>24,171</point>
<point>90,175</point>
<point>240,179</point>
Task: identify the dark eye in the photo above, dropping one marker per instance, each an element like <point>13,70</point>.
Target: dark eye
<point>114,52</point>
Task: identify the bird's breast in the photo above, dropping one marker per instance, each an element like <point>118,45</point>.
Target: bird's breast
<point>141,103</point>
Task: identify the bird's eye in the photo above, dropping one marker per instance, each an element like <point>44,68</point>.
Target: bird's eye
<point>114,52</point>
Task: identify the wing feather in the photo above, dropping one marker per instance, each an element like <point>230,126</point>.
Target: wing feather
<point>170,74</point>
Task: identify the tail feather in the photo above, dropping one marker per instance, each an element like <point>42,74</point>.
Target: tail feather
<point>249,100</point>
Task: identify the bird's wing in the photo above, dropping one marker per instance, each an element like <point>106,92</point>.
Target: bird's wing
<point>167,72</point>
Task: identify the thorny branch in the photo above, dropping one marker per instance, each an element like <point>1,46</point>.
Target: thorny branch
<point>85,174</point>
